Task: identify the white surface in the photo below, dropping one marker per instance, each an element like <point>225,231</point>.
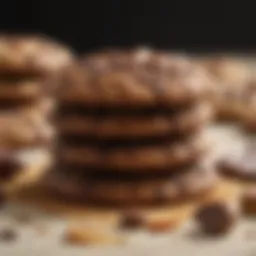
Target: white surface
<point>184,242</point>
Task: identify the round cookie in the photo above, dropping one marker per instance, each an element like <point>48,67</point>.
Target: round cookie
<point>229,71</point>
<point>240,165</point>
<point>240,104</point>
<point>121,126</point>
<point>182,187</point>
<point>135,158</point>
<point>25,128</point>
<point>26,88</point>
<point>133,78</point>
<point>231,77</point>
<point>32,55</point>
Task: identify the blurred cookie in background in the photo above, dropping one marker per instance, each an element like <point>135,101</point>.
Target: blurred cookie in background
<point>30,67</point>
<point>32,55</point>
<point>25,128</point>
<point>240,167</point>
<point>231,77</point>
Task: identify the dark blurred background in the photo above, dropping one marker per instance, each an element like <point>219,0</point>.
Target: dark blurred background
<point>182,25</point>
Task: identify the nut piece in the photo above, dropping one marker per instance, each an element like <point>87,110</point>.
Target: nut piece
<point>132,219</point>
<point>85,237</point>
<point>217,218</point>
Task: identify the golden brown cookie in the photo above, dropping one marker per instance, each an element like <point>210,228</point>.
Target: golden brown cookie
<point>133,78</point>
<point>181,187</point>
<point>25,128</point>
<point>136,157</point>
<point>231,78</point>
<point>31,55</point>
<point>229,71</point>
<point>240,104</point>
<point>132,126</point>
<point>26,88</point>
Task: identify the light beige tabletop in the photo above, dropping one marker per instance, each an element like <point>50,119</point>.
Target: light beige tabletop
<point>33,241</point>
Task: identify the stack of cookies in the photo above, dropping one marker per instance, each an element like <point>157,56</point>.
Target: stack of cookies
<point>29,70</point>
<point>132,129</point>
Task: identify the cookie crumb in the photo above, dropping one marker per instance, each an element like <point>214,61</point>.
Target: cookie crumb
<point>86,237</point>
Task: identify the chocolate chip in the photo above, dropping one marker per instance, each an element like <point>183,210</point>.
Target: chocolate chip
<point>8,235</point>
<point>217,218</point>
<point>249,202</point>
<point>132,219</point>
<point>2,197</point>
<point>8,165</point>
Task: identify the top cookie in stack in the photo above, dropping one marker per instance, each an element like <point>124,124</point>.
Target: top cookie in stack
<point>150,85</point>
<point>29,69</point>
<point>131,124</point>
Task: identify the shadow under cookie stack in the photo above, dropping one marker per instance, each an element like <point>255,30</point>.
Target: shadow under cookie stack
<point>132,125</point>
<point>29,67</point>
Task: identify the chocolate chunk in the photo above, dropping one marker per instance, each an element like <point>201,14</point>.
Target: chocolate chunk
<point>249,201</point>
<point>2,197</point>
<point>8,235</point>
<point>217,218</point>
<point>9,165</point>
<point>132,219</point>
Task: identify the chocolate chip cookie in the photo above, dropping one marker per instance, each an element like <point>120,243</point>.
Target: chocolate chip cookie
<point>31,55</point>
<point>135,126</point>
<point>140,77</point>
<point>23,128</point>
<point>185,186</point>
<point>135,158</point>
<point>231,78</point>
